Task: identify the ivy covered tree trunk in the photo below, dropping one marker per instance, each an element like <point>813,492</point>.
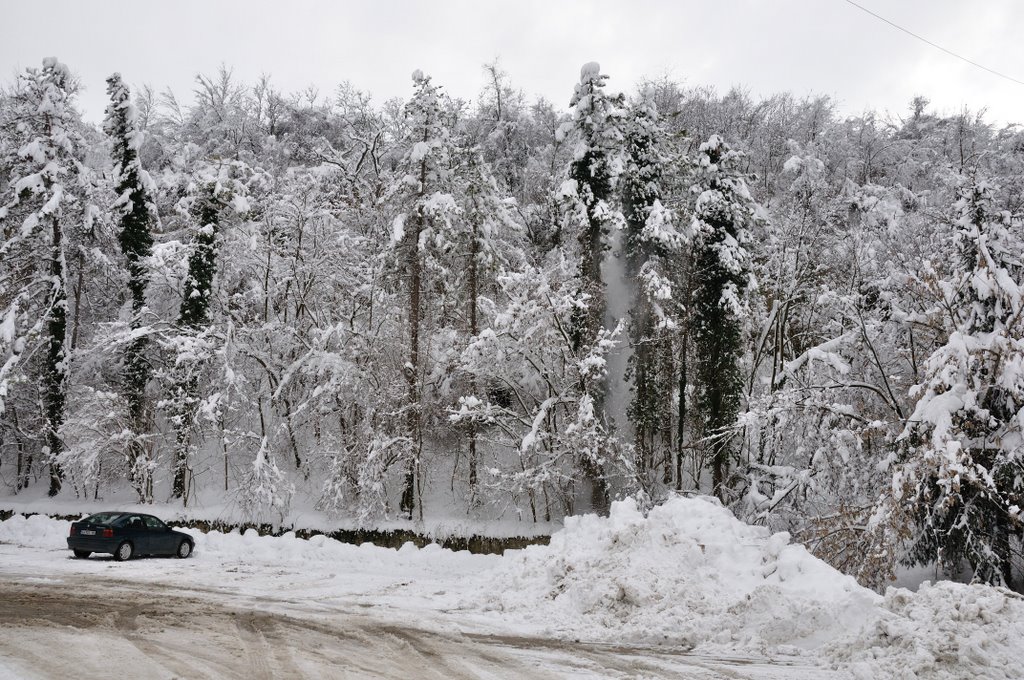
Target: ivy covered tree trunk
<point>651,243</point>
<point>718,340</point>
<point>193,318</point>
<point>474,330</point>
<point>412,368</point>
<point>55,372</point>
<point>136,241</point>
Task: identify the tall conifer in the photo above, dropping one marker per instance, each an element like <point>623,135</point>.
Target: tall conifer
<point>723,214</point>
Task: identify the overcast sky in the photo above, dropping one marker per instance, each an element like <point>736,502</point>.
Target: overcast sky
<point>804,46</point>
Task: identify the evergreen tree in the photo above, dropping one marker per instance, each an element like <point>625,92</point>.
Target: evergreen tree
<point>136,215</point>
<point>651,241</point>
<point>35,296</point>
<point>723,214</point>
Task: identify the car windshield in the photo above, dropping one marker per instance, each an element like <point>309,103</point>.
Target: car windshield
<point>102,518</point>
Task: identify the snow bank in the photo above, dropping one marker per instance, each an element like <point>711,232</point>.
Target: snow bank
<point>688,573</point>
<point>319,550</point>
<point>37,531</point>
<point>948,631</point>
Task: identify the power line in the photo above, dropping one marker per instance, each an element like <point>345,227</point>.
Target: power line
<point>938,47</point>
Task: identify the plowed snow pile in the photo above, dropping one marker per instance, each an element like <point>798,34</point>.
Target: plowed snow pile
<point>690,573</point>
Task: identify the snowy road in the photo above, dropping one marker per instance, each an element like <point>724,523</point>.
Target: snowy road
<point>86,630</point>
<point>205,618</point>
<point>98,628</point>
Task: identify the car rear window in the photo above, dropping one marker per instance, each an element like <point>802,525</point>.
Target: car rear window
<point>102,518</point>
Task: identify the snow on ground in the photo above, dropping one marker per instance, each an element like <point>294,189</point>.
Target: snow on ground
<point>689,573</point>
<point>318,570</point>
<point>686,575</point>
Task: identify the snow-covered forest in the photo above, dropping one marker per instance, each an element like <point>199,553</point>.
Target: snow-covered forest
<point>510,308</point>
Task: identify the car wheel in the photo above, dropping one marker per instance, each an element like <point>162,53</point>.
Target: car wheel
<point>82,554</point>
<point>184,550</point>
<point>124,552</point>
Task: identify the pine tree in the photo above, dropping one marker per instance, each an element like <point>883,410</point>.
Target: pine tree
<point>589,215</point>
<point>963,445</point>
<point>723,214</point>
<point>136,215</point>
<point>36,297</point>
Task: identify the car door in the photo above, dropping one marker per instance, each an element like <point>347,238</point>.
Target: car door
<point>136,531</point>
<point>160,536</point>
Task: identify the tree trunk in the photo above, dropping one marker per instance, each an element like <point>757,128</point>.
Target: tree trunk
<point>55,371</point>
<point>681,424</point>
<point>474,329</point>
<point>412,369</point>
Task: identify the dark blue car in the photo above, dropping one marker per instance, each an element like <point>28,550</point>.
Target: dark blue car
<point>125,535</point>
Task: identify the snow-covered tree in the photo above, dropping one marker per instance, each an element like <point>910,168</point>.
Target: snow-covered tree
<point>961,466</point>
<point>652,248</point>
<point>589,212</point>
<point>485,237</point>
<point>421,230</point>
<point>538,407</point>
<point>36,221</point>
<point>215,192</point>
